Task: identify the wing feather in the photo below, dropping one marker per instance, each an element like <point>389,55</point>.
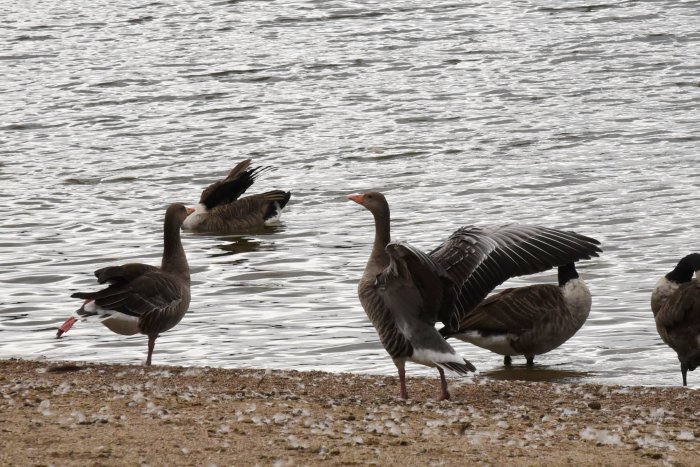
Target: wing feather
<point>233,186</point>
<point>149,293</point>
<point>479,258</point>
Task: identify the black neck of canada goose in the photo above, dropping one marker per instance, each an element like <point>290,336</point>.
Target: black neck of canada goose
<point>567,273</point>
<point>683,272</point>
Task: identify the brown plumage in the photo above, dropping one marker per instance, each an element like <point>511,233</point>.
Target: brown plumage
<point>221,210</point>
<point>141,298</point>
<point>530,320</point>
<point>405,291</point>
<point>675,302</point>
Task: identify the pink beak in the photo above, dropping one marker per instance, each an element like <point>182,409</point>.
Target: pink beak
<point>357,197</point>
<point>189,211</point>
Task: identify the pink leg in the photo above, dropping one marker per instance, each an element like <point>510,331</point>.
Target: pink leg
<point>66,326</point>
<point>402,381</point>
<point>151,346</point>
<point>445,395</point>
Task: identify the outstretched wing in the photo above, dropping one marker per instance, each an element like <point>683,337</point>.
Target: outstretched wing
<point>479,258</point>
<point>233,186</point>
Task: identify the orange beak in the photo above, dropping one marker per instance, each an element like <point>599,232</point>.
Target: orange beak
<point>189,211</point>
<point>357,197</point>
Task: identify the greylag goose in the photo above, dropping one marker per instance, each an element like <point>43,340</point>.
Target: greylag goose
<point>675,303</point>
<point>404,291</point>
<point>141,298</point>
<point>528,320</point>
<point>221,210</point>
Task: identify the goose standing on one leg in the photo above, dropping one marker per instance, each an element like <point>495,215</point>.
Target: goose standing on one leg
<point>405,292</point>
<point>141,298</point>
<point>528,320</point>
<point>675,303</point>
<point>221,210</point>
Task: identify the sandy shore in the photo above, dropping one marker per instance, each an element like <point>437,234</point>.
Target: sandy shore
<point>95,414</point>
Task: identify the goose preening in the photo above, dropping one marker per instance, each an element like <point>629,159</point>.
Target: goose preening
<point>222,210</point>
<point>141,298</point>
<point>405,291</point>
<point>675,303</point>
<point>528,320</point>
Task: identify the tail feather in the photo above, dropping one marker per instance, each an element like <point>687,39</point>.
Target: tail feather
<point>459,368</point>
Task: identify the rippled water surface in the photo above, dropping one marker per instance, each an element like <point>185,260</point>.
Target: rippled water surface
<point>561,113</point>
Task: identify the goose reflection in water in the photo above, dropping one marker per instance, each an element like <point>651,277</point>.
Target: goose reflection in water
<point>538,373</point>
<point>237,244</point>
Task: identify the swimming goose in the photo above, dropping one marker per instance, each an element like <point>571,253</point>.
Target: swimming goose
<point>141,298</point>
<point>221,210</point>
<point>675,303</point>
<point>528,320</point>
<point>404,291</point>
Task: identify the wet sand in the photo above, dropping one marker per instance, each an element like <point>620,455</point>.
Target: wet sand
<point>67,413</point>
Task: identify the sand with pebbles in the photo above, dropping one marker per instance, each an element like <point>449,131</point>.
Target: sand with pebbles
<point>95,414</point>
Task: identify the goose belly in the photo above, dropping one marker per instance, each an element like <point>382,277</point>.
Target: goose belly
<point>121,323</point>
<point>501,343</point>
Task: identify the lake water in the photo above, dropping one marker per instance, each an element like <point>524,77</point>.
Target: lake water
<point>573,115</point>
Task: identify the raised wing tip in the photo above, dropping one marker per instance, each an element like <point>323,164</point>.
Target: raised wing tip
<point>257,171</point>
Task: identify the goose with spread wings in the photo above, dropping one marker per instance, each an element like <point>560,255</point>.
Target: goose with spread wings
<point>404,291</point>
<point>675,302</point>
<point>222,210</point>
<point>141,298</point>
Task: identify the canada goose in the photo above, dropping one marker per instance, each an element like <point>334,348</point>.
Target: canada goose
<point>528,320</point>
<point>221,210</point>
<point>675,302</point>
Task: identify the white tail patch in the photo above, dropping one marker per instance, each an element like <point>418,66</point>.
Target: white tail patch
<point>429,357</point>
<point>90,307</point>
<point>115,321</point>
